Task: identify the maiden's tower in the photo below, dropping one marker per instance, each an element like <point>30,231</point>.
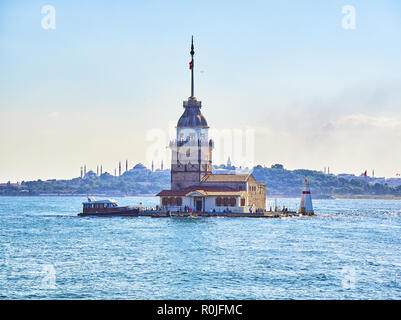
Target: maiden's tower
<point>193,186</point>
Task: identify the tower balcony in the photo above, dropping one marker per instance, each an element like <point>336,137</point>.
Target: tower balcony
<point>192,103</point>
<point>191,143</point>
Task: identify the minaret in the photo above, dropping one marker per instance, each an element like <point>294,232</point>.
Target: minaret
<point>306,200</point>
<point>126,165</point>
<point>152,166</point>
<point>97,170</point>
<point>119,168</point>
<point>101,169</point>
<point>161,166</point>
<point>115,172</point>
<point>81,172</point>
<point>84,170</point>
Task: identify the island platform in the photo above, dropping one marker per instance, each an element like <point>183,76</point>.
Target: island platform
<point>179,214</point>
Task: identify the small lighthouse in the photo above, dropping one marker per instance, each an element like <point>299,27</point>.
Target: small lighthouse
<point>306,200</point>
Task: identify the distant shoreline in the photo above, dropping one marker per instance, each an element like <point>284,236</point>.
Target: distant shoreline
<point>142,182</point>
<point>367,196</point>
<point>317,197</point>
<point>78,195</point>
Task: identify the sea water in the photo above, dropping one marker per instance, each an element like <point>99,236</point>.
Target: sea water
<point>349,250</point>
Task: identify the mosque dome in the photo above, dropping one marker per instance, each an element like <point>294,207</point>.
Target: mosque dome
<point>139,166</point>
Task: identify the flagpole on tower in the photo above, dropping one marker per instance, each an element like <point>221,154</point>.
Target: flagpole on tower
<point>191,65</point>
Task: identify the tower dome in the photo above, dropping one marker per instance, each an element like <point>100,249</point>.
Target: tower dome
<point>192,116</point>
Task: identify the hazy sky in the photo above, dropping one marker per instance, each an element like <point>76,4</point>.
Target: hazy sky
<point>113,75</point>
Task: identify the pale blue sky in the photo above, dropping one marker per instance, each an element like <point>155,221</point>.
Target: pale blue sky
<point>314,92</point>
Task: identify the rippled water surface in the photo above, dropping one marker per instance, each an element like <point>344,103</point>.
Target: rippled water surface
<point>350,250</point>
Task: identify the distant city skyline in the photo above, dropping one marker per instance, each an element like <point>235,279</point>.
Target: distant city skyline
<point>89,91</point>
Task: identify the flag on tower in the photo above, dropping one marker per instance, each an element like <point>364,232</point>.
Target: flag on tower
<point>366,173</point>
<point>190,65</point>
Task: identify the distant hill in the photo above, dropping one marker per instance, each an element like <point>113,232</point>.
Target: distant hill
<point>140,181</point>
<point>281,182</point>
<point>133,182</point>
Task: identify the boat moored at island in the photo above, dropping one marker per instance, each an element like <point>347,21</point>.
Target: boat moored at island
<point>106,208</point>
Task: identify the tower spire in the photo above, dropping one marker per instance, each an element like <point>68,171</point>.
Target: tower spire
<point>191,66</point>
